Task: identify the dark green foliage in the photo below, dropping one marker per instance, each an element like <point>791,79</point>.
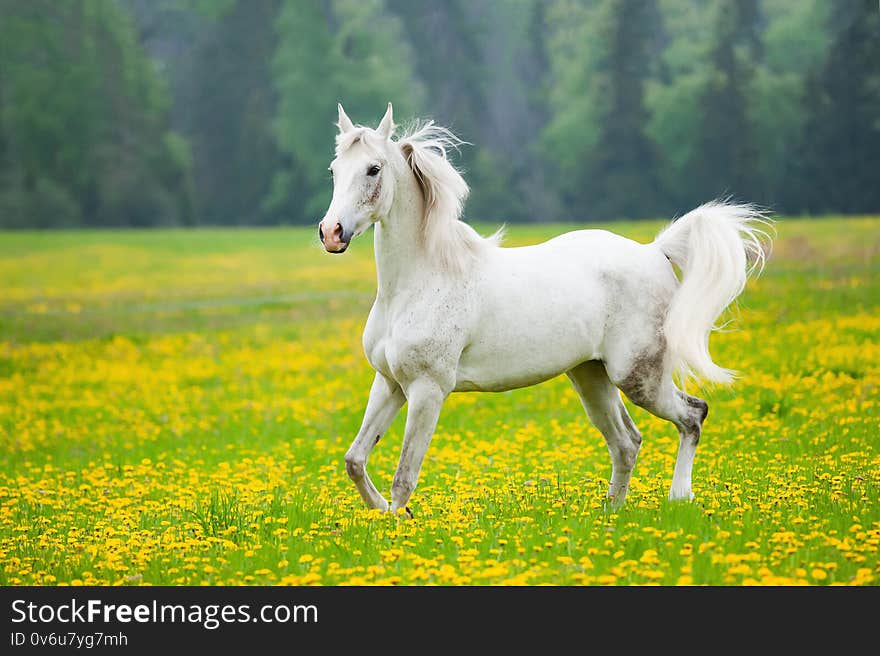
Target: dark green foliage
<point>229,119</point>
<point>839,157</point>
<point>724,160</point>
<point>150,112</point>
<point>85,132</point>
<point>329,51</point>
<point>620,175</point>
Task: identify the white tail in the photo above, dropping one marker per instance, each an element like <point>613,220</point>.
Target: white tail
<point>716,246</point>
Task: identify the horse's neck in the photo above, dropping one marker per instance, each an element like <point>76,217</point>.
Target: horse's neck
<point>399,258</point>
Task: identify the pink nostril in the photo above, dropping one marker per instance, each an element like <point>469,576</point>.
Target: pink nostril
<point>337,232</point>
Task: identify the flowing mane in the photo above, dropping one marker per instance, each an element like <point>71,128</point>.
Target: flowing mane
<point>447,238</point>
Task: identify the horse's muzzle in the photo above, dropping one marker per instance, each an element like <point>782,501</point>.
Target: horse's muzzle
<point>335,240</point>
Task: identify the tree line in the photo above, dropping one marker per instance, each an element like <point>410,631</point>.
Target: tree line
<point>185,112</point>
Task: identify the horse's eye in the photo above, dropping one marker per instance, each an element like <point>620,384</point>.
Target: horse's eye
<point>373,171</point>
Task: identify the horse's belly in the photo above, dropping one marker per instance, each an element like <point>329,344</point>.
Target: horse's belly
<point>498,362</point>
<point>502,381</point>
<point>537,321</point>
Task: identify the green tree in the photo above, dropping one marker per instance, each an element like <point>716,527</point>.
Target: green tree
<point>674,97</point>
<point>621,178</point>
<point>231,107</point>
<point>794,43</point>
<point>577,98</point>
<point>84,120</point>
<point>604,54</point>
<point>511,165</point>
<point>484,74</point>
<point>329,51</point>
<point>725,157</point>
<point>836,166</point>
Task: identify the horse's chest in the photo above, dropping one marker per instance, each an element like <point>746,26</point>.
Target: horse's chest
<point>401,345</point>
<point>377,356</point>
<point>376,336</point>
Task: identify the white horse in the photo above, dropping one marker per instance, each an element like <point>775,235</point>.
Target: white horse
<point>455,312</point>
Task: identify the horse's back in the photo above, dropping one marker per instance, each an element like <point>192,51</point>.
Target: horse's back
<point>544,309</point>
<point>593,242</point>
<point>594,253</point>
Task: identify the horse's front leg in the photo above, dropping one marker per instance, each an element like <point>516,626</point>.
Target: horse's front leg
<point>386,399</point>
<point>425,398</point>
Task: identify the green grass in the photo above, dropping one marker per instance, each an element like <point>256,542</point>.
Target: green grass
<point>175,406</point>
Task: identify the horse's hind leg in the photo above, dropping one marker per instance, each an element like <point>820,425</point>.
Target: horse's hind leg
<point>602,402</point>
<point>655,392</point>
<point>689,435</point>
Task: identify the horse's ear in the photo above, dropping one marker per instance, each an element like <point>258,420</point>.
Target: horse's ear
<point>344,123</point>
<point>386,126</point>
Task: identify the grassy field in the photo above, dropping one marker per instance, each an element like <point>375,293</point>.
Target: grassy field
<point>175,406</point>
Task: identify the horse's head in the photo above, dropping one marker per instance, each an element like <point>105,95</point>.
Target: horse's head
<point>362,181</point>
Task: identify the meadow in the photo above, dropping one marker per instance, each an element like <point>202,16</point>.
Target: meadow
<point>175,406</point>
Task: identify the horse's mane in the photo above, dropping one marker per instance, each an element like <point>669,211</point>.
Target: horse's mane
<point>444,235</point>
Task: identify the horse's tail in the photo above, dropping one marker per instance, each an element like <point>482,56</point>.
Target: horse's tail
<point>716,246</point>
